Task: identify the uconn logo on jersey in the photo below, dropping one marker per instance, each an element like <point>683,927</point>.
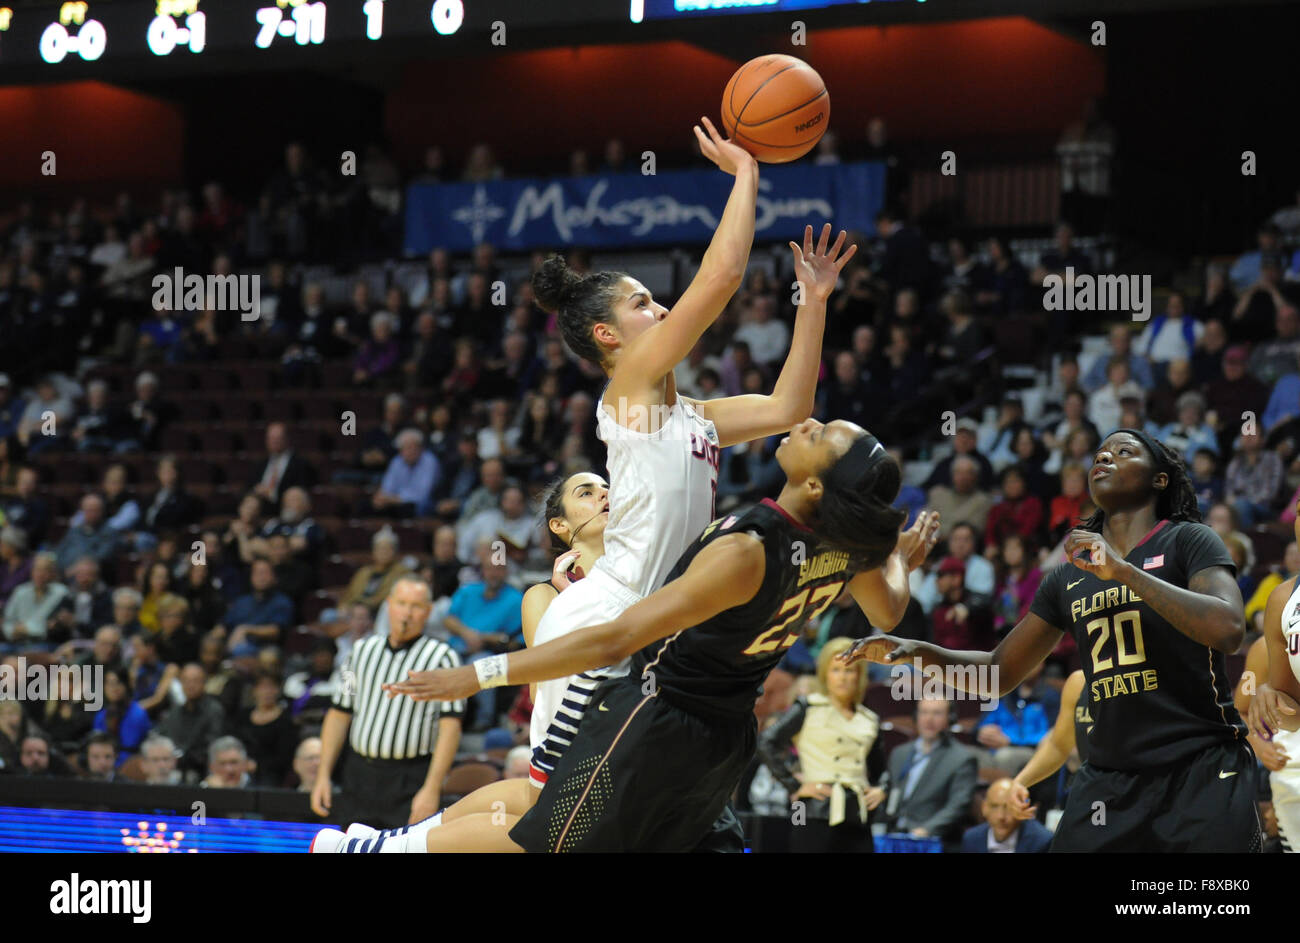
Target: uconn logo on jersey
<point>703,448</point>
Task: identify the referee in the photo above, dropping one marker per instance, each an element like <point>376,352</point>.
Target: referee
<point>401,749</point>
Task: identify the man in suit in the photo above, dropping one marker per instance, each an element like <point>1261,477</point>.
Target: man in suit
<point>283,469</point>
<point>931,779</point>
<point>1002,832</point>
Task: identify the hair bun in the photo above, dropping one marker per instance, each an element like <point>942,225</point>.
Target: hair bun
<point>552,282</point>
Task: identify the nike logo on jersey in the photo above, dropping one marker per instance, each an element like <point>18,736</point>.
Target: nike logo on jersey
<point>1223,775</point>
<point>601,707</point>
<point>1075,583</point>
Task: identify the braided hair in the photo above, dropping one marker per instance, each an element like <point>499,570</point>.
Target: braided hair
<point>580,302</point>
<point>1177,502</point>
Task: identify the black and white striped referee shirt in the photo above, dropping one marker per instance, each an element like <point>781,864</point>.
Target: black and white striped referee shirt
<point>397,728</point>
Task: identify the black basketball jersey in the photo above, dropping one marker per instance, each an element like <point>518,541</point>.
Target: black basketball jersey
<point>1155,696</point>
<point>718,667</point>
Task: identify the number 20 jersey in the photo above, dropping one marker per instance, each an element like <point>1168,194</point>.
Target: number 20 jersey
<point>718,667</point>
<point>1156,697</point>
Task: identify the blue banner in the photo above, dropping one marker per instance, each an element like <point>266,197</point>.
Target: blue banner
<point>621,210</point>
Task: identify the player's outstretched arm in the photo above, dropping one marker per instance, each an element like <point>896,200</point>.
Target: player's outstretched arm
<point>725,574</point>
<point>1025,646</point>
<point>743,418</point>
<point>654,354</point>
<point>1276,704</point>
<point>1055,748</point>
<point>883,593</point>
<point>1209,611</point>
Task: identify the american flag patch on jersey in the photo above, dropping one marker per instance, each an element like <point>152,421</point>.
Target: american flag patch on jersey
<point>1152,562</point>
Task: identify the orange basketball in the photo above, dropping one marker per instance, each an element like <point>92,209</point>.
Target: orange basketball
<point>776,107</point>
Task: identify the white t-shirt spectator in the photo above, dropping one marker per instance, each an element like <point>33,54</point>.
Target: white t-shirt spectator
<point>768,340</point>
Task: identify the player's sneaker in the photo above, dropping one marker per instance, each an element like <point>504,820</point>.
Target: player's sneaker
<point>358,830</point>
<point>327,842</point>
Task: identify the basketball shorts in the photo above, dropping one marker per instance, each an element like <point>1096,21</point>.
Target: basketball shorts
<point>641,775</point>
<point>1203,804</point>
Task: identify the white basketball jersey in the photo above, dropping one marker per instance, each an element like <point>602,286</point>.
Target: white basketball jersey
<point>661,488</point>
<point>1290,739</point>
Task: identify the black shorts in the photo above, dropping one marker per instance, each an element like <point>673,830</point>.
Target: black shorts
<point>378,793</point>
<point>1204,804</point>
<point>640,775</point>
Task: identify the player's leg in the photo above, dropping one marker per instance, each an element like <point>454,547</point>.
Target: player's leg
<point>480,832</point>
<point>1107,811</point>
<point>506,796</point>
<point>1210,805</point>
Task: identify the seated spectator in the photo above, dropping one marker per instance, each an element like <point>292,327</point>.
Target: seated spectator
<point>158,756</point>
<point>151,677</point>
<point>378,357</point>
<point>962,621</point>
<point>1002,831</point>
<point>963,542</point>
<point>962,337</point>
<point>48,412</point>
<point>964,445</point>
<point>306,763</point>
<point>1121,348</point>
<point>207,604</point>
<point>765,334</point>
<point>1284,402</point>
<point>31,607</point>
<point>1255,314</point>
<point>91,538</point>
<point>1190,433</point>
<point>430,354</point>
<point>407,486</point>
<point>509,526</point>
<point>171,508</point>
<point>1170,336</point>
<point>485,619</point>
<point>311,691</point>
<point>847,396</point>
<point>15,561</point>
<point>101,758</point>
<point>1000,286</point>
<point>177,639</point>
<point>1233,395</point>
<point>26,510</point>
<point>1067,508</point>
<point>38,758</point>
<point>101,426</point>
<point>66,717</point>
<point>156,582</point>
<point>500,437</point>
<point>963,502</point>
<point>1253,480</point>
<point>1206,480</point>
<point>1018,513</point>
<point>121,717</point>
<point>283,469</point>
<point>147,416</point>
<point>120,509</point>
<point>241,540</point>
<point>196,723</point>
<point>127,602</point>
<point>1011,731</point>
<point>88,604</point>
<point>268,731</point>
<point>294,522</point>
<point>229,766</point>
<point>1106,403</point>
<point>293,577</point>
<point>371,584</point>
<point>1178,381</point>
<point>260,617</point>
<point>931,779</point>
<point>105,650</point>
<point>1274,358</point>
<point>1018,582</point>
<point>379,443</point>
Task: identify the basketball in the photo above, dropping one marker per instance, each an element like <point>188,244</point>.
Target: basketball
<point>776,107</point>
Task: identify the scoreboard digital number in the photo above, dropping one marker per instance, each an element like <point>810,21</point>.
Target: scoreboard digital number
<point>177,24</point>
<point>74,33</point>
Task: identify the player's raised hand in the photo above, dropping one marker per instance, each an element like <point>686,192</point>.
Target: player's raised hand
<point>566,569</point>
<point>1268,709</point>
<point>881,649</point>
<point>442,684</point>
<point>818,269</point>
<point>1089,551</point>
<point>1020,806</point>
<point>729,157</point>
<point>917,541</point>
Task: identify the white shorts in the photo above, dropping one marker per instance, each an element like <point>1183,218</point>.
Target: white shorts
<point>557,710</point>
<point>1285,785</point>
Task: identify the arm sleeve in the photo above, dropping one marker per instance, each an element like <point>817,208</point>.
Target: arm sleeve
<point>1199,547</point>
<point>774,744</point>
